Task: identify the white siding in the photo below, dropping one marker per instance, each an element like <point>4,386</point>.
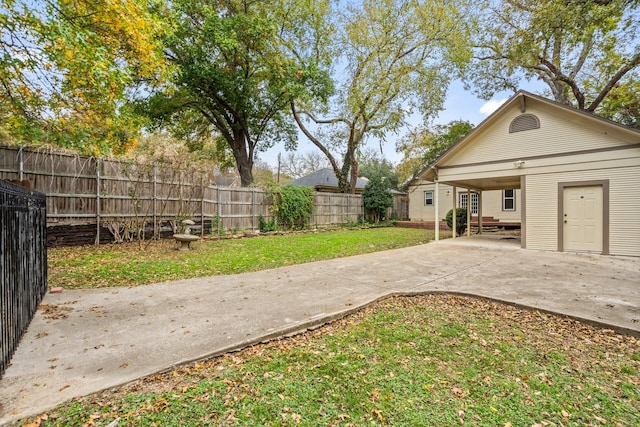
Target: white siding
<point>624,211</point>
<point>491,203</point>
<point>417,209</point>
<point>542,212</point>
<point>559,132</point>
<point>624,207</point>
<point>492,206</point>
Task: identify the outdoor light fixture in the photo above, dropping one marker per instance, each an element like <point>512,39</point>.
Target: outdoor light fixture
<point>519,164</point>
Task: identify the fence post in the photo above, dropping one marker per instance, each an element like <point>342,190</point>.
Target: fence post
<point>97,201</point>
<point>218,208</point>
<point>253,209</point>
<point>201,205</point>
<point>156,233</point>
<point>21,164</point>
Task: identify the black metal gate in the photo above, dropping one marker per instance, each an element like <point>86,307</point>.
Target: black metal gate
<point>23,263</point>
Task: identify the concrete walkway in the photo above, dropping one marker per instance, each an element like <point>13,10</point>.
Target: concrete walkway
<point>81,342</point>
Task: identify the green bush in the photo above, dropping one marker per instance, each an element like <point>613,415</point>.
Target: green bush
<point>292,205</point>
<point>461,220</point>
<point>266,226</point>
<point>377,198</point>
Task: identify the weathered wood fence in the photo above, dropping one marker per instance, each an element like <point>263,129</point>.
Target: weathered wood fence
<point>102,200</point>
<point>23,263</point>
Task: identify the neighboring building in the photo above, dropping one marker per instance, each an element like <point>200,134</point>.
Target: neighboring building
<point>325,180</point>
<point>578,175</point>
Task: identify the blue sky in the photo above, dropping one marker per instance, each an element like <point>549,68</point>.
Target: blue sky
<point>459,105</point>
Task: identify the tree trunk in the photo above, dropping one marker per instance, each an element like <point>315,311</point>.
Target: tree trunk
<point>343,182</point>
<point>354,175</point>
<point>245,168</point>
<point>244,158</point>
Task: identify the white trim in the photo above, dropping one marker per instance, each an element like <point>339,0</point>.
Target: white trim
<point>425,198</point>
<point>435,204</point>
<point>474,201</point>
<point>505,198</point>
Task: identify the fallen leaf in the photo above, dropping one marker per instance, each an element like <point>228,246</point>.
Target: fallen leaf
<point>378,414</point>
<point>36,423</point>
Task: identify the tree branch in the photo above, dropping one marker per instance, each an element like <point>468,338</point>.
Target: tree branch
<point>584,54</point>
<point>558,76</point>
<point>313,139</point>
<point>635,61</point>
<point>327,121</point>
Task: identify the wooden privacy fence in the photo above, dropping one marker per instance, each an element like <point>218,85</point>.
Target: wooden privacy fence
<point>100,200</point>
<point>23,263</point>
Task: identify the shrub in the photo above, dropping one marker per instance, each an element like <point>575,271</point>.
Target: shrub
<point>266,226</point>
<point>377,198</point>
<point>292,205</point>
<point>461,220</point>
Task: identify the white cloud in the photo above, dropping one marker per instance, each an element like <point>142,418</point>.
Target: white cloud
<point>491,106</point>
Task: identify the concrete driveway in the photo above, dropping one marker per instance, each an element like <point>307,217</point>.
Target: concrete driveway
<point>81,342</point>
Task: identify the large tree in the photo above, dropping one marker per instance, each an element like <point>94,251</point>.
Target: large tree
<point>67,68</point>
<point>237,70</point>
<point>586,52</point>
<point>392,56</point>
<point>421,146</point>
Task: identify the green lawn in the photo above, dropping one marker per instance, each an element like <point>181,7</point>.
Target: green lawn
<point>134,264</point>
<point>432,360</point>
<point>435,360</point>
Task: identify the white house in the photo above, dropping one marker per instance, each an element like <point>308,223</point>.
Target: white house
<point>578,175</point>
<point>498,207</point>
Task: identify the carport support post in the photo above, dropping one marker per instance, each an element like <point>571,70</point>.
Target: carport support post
<point>435,205</point>
<point>453,216</point>
<point>480,212</point>
<point>468,212</point>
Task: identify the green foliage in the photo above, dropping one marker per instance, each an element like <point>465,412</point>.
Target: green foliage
<point>377,198</point>
<point>422,146</point>
<point>267,226</point>
<point>379,168</point>
<point>292,205</point>
<point>461,220</point>
<point>622,104</point>
<point>586,52</point>
<point>235,75</point>
<point>68,68</point>
<point>215,225</point>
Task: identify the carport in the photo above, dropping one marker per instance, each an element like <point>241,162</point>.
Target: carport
<point>578,175</point>
<point>477,186</point>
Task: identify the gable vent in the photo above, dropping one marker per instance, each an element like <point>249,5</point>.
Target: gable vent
<point>524,122</point>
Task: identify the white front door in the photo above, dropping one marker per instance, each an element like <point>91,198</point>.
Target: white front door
<point>583,221</point>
